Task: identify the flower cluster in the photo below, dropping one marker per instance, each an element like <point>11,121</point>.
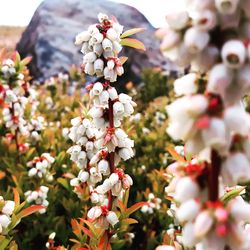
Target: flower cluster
<point>6,208</point>
<point>100,46</point>
<point>152,203</point>
<point>208,116</point>
<point>100,143</point>
<point>38,197</point>
<point>39,167</point>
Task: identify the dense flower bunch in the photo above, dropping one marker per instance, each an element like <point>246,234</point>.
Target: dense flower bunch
<point>153,203</point>
<point>6,208</point>
<point>100,143</point>
<point>100,46</point>
<point>209,117</point>
<point>16,97</point>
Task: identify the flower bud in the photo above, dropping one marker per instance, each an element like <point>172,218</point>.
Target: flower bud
<point>112,218</point>
<point>117,47</point>
<point>220,78</point>
<point>104,97</point>
<point>8,208</point>
<point>89,69</point>
<point>119,70</point>
<point>89,57</point>
<point>32,172</point>
<point>107,44</point>
<point>118,109</point>
<point>126,153</point>
<point>233,54</point>
<point>97,88</point>
<point>74,182</point>
<point>4,221</point>
<point>112,34</point>
<point>188,211</point>
<point>226,6</point>
<point>186,189</point>
<point>203,224</point>
<point>103,167</point>
<point>110,64</point>
<point>83,176</point>
<point>240,210</point>
<point>186,85</point>
<point>178,21</point>
<point>98,49</point>
<point>82,37</point>
<point>114,178</point>
<point>94,213</point>
<point>116,189</point>
<point>97,38</point>
<point>170,40</point>
<point>112,93</point>
<point>196,40</point>
<point>127,181</point>
<point>98,66</point>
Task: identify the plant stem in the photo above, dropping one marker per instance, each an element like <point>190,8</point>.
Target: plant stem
<point>112,154</point>
<point>213,178</point>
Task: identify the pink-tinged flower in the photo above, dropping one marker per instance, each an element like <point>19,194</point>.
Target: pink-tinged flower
<point>196,40</point>
<point>237,120</point>
<point>94,213</point>
<point>240,210</point>
<point>235,169</point>
<point>178,21</point>
<point>204,20</point>
<point>170,40</point>
<point>203,224</point>
<point>233,54</point>
<point>220,77</point>
<point>221,214</point>
<point>188,235</point>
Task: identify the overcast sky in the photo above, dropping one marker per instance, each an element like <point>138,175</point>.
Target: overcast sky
<point>19,12</point>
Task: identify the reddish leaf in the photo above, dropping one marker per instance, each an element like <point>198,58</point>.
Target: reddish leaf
<point>175,155</point>
<point>30,210</point>
<point>26,60</point>
<point>2,175</point>
<point>135,207</point>
<point>134,43</point>
<point>16,197</point>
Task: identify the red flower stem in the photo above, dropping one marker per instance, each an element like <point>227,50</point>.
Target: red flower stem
<point>213,178</point>
<point>112,154</point>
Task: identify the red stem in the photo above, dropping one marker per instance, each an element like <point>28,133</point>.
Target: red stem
<point>213,178</point>
<point>111,156</point>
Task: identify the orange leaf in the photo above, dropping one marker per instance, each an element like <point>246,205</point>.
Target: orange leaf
<point>135,207</point>
<point>30,210</point>
<point>129,221</point>
<point>2,175</point>
<point>123,59</point>
<point>134,43</point>
<point>175,155</point>
<point>104,243</point>
<point>26,60</point>
<point>16,197</point>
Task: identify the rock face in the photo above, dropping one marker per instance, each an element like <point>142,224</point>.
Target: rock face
<point>49,38</point>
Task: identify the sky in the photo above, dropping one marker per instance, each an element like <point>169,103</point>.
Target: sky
<point>20,12</point>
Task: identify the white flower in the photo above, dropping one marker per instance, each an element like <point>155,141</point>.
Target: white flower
<point>82,37</point>
<point>107,44</point>
<point>226,6</point>
<point>94,213</point>
<point>89,57</point>
<point>4,220</point>
<point>112,34</point>
<point>186,85</point>
<point>188,211</point>
<point>235,169</point>
<point>204,20</point>
<point>103,167</point>
<point>196,40</point>
<point>8,207</point>
<point>188,237</point>
<point>83,176</point>
<point>186,189</point>
<point>240,210</point>
<point>98,66</point>
<point>233,54</point>
<point>203,224</point>
<point>178,21</point>
<point>112,218</point>
<point>89,69</point>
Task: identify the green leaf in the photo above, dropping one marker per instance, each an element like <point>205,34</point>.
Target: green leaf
<point>134,43</point>
<point>4,243</point>
<point>231,194</point>
<point>64,183</point>
<point>131,32</point>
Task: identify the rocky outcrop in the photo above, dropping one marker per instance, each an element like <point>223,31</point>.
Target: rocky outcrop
<point>49,38</point>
